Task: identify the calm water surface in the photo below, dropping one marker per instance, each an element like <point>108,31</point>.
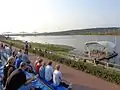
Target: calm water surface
<point>76,41</point>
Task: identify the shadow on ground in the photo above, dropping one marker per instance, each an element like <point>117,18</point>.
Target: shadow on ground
<point>82,87</point>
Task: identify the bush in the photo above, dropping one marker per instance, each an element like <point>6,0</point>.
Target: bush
<point>99,71</point>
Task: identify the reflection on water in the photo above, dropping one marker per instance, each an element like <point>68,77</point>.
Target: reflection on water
<point>76,41</point>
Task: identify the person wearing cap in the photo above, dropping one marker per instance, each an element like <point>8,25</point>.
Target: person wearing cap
<point>18,78</point>
<point>8,69</point>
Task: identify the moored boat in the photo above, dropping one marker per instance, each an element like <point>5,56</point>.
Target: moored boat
<point>100,50</point>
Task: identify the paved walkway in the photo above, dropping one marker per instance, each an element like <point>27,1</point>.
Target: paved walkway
<point>81,80</point>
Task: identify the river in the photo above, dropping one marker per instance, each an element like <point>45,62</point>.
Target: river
<point>76,41</point>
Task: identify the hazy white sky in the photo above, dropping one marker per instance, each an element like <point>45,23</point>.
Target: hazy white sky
<point>56,15</point>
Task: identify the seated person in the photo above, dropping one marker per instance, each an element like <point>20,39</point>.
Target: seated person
<point>18,78</point>
<point>14,54</point>
<point>49,72</point>
<point>19,52</point>
<point>30,68</point>
<point>25,57</point>
<point>8,69</point>
<point>42,70</point>
<point>38,65</point>
<point>7,49</point>
<point>18,60</point>
<point>57,78</point>
<point>36,61</point>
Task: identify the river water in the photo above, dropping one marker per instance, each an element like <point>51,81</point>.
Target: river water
<point>76,41</point>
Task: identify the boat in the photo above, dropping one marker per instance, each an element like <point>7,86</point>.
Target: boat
<point>100,50</point>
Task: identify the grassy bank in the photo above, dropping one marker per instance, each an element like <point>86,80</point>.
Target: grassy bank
<point>98,71</point>
<point>62,50</point>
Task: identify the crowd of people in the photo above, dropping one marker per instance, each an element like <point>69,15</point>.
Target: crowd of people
<point>18,64</point>
<point>46,72</point>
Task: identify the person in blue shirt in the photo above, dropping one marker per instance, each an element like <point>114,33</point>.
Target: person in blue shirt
<point>25,57</point>
<point>18,61</point>
<point>42,70</point>
<point>8,50</point>
<point>30,68</point>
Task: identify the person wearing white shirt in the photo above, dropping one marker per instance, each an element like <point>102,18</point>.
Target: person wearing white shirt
<point>57,78</point>
<point>49,72</point>
<point>7,49</point>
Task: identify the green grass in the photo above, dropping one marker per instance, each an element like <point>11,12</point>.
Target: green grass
<point>59,49</point>
<point>52,47</point>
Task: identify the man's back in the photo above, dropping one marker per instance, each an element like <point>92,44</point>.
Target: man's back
<point>48,72</point>
<point>26,45</point>
<point>42,72</point>
<point>57,76</point>
<point>15,80</point>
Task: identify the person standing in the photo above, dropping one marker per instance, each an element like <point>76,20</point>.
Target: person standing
<point>26,47</point>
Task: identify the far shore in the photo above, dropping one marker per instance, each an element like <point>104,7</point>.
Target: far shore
<point>65,35</point>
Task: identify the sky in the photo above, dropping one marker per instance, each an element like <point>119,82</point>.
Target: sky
<point>57,15</point>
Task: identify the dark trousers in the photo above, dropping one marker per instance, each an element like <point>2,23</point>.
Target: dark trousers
<point>26,50</point>
<point>38,89</point>
<point>64,84</point>
<point>4,81</point>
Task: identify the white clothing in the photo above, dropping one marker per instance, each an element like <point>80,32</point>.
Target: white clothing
<point>7,48</point>
<point>19,54</point>
<point>57,77</point>
<point>48,72</point>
